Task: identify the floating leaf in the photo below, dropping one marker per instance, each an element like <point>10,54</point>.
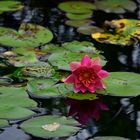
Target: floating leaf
<point>78,23</point>
<point>42,88</point>
<point>3,123</point>
<point>10,109</point>
<point>14,112</point>
<point>7,6</point>
<point>34,126</point>
<point>88,30</point>
<point>62,59</point>
<point>28,35</point>
<point>119,32</point>
<point>79,16</point>
<point>5,80</point>
<point>116,6</point>
<point>123,84</point>
<point>109,138</point>
<point>76,7</point>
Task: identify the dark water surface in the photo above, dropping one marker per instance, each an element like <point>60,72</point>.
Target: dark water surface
<point>123,118</point>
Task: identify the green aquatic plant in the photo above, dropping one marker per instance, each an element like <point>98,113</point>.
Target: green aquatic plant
<point>50,126</point>
<point>29,35</point>
<point>116,6</point>
<point>9,6</point>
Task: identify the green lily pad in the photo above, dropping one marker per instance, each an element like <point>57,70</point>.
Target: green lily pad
<point>83,46</point>
<point>76,6</point>
<point>78,23</point>
<point>42,88</point>
<point>14,112</point>
<point>50,126</point>
<point>10,94</point>
<point>7,6</point>
<point>5,80</point>
<point>88,30</point>
<point>79,16</point>
<point>110,138</point>
<point>47,88</point>
<point>116,6</point>
<point>119,32</point>
<point>123,84</point>
<point>28,35</point>
<point>3,123</point>
<point>14,103</point>
<point>62,59</point>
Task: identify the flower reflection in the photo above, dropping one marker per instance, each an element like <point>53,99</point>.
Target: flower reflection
<point>83,110</point>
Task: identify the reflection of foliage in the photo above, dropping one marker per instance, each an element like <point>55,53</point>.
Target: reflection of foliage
<point>86,109</point>
<point>119,32</point>
<point>115,6</point>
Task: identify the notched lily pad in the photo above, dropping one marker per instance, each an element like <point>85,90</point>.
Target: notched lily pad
<point>116,6</point>
<point>66,127</point>
<point>123,84</point>
<point>76,6</point>
<point>28,35</point>
<point>7,6</point>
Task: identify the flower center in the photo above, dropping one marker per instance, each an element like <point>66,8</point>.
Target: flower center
<point>86,76</point>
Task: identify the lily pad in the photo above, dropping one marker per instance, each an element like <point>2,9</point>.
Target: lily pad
<point>123,84</point>
<point>28,35</point>
<point>3,123</point>
<point>10,109</point>
<point>7,6</point>
<point>15,112</point>
<point>119,32</point>
<point>42,88</point>
<point>10,94</point>
<point>116,6</point>
<point>88,30</point>
<point>62,59</point>
<point>36,125</point>
<point>76,6</point>
<point>110,138</point>
<point>79,16</point>
<point>78,23</point>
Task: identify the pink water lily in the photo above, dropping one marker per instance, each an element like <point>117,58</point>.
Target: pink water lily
<point>87,75</point>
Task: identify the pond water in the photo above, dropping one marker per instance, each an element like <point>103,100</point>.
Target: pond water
<point>123,116</point>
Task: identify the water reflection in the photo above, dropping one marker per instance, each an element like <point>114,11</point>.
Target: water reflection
<point>84,110</point>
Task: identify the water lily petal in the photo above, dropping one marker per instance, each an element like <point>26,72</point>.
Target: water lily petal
<point>97,68</point>
<point>96,61</point>
<point>74,65</point>
<point>86,61</point>
<point>99,84</point>
<point>70,79</point>
<point>103,74</point>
